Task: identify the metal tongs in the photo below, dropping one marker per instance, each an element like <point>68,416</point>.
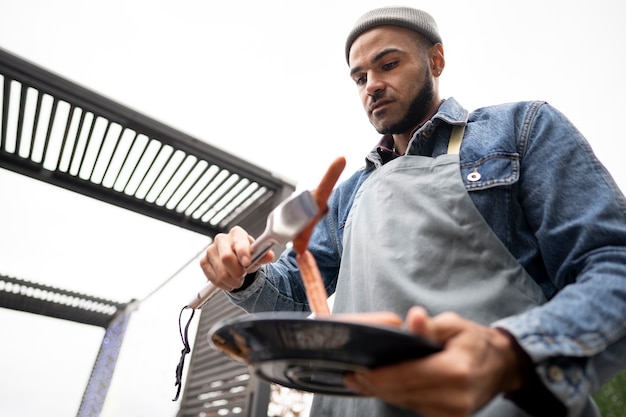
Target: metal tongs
<point>284,223</point>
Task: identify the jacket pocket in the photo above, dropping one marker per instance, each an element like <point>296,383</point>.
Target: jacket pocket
<point>493,170</point>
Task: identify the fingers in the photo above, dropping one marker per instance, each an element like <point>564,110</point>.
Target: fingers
<point>419,396</point>
<point>430,386</point>
<point>238,242</point>
<point>417,321</point>
<point>226,259</point>
<point>476,363</point>
<point>440,328</point>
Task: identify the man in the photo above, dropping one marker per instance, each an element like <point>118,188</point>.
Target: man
<point>496,233</point>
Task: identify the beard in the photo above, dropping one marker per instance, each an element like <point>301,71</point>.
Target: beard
<point>417,111</point>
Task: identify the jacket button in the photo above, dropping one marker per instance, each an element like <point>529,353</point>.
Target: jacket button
<point>474,175</point>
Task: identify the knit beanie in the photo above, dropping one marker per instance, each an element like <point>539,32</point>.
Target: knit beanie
<point>406,17</point>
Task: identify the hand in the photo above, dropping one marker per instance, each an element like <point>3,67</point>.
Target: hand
<point>476,364</point>
<point>227,260</point>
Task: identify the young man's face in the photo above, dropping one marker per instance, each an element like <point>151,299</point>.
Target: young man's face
<point>392,71</point>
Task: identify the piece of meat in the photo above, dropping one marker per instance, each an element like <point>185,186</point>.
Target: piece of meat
<point>313,284</point>
<point>321,194</point>
<point>377,318</point>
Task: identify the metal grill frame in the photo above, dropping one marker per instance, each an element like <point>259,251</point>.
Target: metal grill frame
<point>59,132</point>
<point>234,191</point>
<point>31,297</point>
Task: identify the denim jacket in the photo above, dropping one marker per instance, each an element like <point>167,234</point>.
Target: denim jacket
<point>553,205</point>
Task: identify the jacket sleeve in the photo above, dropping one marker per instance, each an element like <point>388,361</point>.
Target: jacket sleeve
<point>577,340</point>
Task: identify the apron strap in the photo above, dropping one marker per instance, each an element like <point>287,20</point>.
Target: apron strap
<point>454,146</point>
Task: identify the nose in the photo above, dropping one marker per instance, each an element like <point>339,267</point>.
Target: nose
<point>374,85</point>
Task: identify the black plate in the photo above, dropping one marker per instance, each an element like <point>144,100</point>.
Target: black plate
<point>313,354</point>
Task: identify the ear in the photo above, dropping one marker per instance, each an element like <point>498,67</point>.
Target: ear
<point>437,60</point>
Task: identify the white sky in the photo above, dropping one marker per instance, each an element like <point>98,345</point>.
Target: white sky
<point>266,81</point>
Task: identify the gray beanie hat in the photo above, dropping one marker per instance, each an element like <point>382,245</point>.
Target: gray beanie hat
<point>406,17</point>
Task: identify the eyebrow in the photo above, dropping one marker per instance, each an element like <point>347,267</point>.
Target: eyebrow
<point>377,58</point>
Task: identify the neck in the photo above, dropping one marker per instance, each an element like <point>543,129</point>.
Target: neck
<point>401,140</point>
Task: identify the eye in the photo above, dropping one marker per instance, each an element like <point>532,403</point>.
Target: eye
<point>360,80</point>
<point>390,65</point>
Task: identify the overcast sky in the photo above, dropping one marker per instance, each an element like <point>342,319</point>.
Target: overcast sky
<point>268,82</point>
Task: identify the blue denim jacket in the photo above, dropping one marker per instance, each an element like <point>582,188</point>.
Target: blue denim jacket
<point>553,205</point>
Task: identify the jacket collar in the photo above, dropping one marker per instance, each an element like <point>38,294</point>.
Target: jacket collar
<point>450,112</point>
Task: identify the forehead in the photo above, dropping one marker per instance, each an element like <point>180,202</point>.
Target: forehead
<point>378,38</point>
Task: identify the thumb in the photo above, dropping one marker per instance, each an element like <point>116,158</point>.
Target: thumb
<point>418,322</point>
<point>441,327</point>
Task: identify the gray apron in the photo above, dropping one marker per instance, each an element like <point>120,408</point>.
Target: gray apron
<point>414,237</point>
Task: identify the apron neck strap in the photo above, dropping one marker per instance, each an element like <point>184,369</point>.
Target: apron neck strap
<point>454,146</point>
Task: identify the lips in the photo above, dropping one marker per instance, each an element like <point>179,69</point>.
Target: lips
<point>379,104</point>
